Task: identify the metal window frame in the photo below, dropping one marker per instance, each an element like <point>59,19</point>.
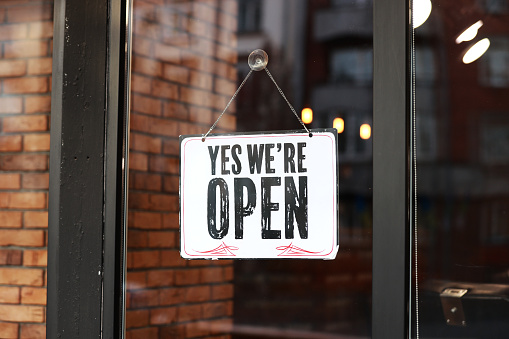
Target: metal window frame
<point>88,165</point>
<point>391,168</point>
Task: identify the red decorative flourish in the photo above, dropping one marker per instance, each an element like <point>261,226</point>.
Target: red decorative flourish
<point>221,250</point>
<point>292,250</point>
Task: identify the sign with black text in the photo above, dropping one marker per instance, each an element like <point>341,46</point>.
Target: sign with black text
<point>263,195</point>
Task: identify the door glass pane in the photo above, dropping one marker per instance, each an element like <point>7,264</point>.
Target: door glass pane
<point>462,149</point>
<point>189,57</point>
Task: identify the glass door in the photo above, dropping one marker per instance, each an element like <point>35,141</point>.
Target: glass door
<point>189,57</point>
<point>461,71</point>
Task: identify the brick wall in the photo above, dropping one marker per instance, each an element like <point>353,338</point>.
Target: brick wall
<point>26,30</point>
<point>183,76</point>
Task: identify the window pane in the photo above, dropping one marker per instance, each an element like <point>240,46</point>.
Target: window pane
<point>462,150</point>
<point>189,57</point>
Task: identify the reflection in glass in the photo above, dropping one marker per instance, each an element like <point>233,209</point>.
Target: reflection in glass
<point>462,148</point>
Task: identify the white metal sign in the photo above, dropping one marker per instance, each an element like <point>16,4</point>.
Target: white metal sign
<point>270,195</point>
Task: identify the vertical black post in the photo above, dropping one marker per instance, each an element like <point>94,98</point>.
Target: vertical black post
<point>86,200</point>
<point>391,227</point>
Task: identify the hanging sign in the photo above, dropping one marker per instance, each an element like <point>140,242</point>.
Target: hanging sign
<point>263,195</point>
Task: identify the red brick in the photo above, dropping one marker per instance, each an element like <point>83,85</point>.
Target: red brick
<point>10,219</point>
<point>15,313</point>
<point>153,202</point>
<point>158,278</point>
<point>26,85</point>
<point>35,219</point>
<point>9,181</point>
<point>9,295</point>
<point>141,84</point>
<point>224,291</point>
<point>29,13</point>
<point>146,182</point>
<point>25,49</point>
<point>136,280</point>
<point>39,66</point>
<point>164,164</point>
<point>145,220</point>
<point>32,331</point>
<point>211,275</point>
<point>171,221</point>
<point>27,123</point>
<point>153,125</point>
<point>161,239</point>
<point>35,181</point>
<point>189,313</point>
<point>147,66</point>
<point>137,318</point>
<point>196,96</point>
<point>197,293</point>
<point>176,73</point>
<point>167,53</point>
<point>146,105</point>
<point>143,333</point>
<point>38,104</point>
<point>38,30</point>
<point>137,239</point>
<point>10,143</point>
<point>187,277</point>
<point>9,330</point>
<point>24,162</point>
<point>35,258</point>
<point>160,316</point>
<point>144,259</point>
<point>144,298</point>
<point>142,46</point>
<point>147,29</point>
<point>21,276</point>
<point>201,80</point>
<point>172,296</point>
<point>36,142</point>
<point>171,147</point>
<point>10,105</point>
<point>33,295</point>
<point>10,257</point>
<point>171,183</point>
<point>22,238</point>
<point>164,89</point>
<point>172,258</point>
<point>12,68</point>
<point>22,200</point>
<point>215,310</point>
<point>200,115</point>
<point>138,161</point>
<point>172,109</point>
<point>13,32</point>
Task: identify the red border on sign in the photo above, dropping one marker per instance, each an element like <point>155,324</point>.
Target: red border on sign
<point>305,253</point>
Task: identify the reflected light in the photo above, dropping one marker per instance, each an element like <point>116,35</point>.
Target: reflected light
<point>339,124</point>
<point>476,51</point>
<point>307,115</point>
<point>469,33</point>
<point>365,131</point>
<point>421,9</point>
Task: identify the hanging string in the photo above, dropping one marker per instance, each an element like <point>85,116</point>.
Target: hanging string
<point>228,105</point>
<point>257,61</point>
<point>288,102</point>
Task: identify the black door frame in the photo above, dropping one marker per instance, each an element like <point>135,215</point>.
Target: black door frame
<point>86,264</point>
<point>88,162</point>
<point>391,168</point>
